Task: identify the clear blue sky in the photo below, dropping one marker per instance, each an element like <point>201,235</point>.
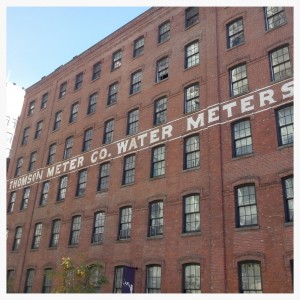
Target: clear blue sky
<point>40,39</point>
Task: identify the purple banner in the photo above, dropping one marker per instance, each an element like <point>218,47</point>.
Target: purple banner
<point>128,280</point>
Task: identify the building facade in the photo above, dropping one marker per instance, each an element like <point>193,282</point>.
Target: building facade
<point>166,149</point>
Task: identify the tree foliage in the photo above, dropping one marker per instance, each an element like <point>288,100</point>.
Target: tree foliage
<point>78,277</point>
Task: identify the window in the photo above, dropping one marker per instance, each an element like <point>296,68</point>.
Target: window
<point>191,98</point>
<point>288,196</point>
<point>87,140</point>
<point>191,278</point>
<point>191,16</point>
<point>118,280</point>
<point>192,56</point>
<point>17,239</point>
<point>75,230</point>
<point>235,33</point>
<point>242,139</point>
<point>25,136</point>
<point>96,70</point>
<point>164,32</point>
<point>103,176</point>
<point>81,184</point>
<point>136,82</point>
<point>38,130</point>
<point>125,223</point>
<point>62,90</point>
<point>98,228</point>
<point>250,277</point>
<point>162,69</point>
<point>55,233</point>
<point>44,101</point>
<point>108,131</point>
<point>25,199</point>
<point>57,120</point>
<point>280,64</point>
<point>37,236</point>
<point>47,281</point>
<point>32,161</point>
<point>191,152</point>
<point>238,80</point>
<point>74,112</point>
<point>112,93</point>
<point>19,166</point>
<point>133,122</point>
<point>285,124</point>
<point>275,17</point>
<point>45,193</point>
<point>156,218</point>
<point>78,81</point>
<point>68,147</point>
<point>92,103</point>
<point>62,189</point>
<point>191,213</point>
<point>12,202</point>
<point>116,60</point>
<point>9,280</point>
<point>51,154</point>
<point>153,281</point>
<point>138,48</point>
<point>246,210</point>
<point>158,161</point>
<point>31,108</point>
<point>29,281</point>
<point>129,169</point>
<point>160,111</point>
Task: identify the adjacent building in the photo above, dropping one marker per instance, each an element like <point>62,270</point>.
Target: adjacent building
<point>165,151</point>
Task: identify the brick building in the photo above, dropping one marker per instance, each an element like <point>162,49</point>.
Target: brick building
<point>167,147</point>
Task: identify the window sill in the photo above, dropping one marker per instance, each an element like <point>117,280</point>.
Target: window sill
<point>288,224</point>
<point>102,191</point>
<point>185,234</point>
<point>123,241</point>
<point>133,94</point>
<point>76,90</point>
<point>243,156</point>
<point>73,246</point>
<point>191,169</point>
<point>191,67</point>
<point>160,81</point>
<point>52,248</point>
<point>162,42</point>
<point>246,228</point>
<point>272,29</point>
<point>93,80</point>
<point>192,25</point>
<point>97,243</point>
<point>154,237</point>
<point>124,185</point>
<point>285,146</point>
<point>281,79</point>
<point>157,177</point>
<point>234,47</point>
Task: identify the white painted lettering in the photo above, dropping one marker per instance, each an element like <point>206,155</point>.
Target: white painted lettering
<point>229,107</point>
<point>103,153</point>
<point>246,105</point>
<point>80,161</point>
<point>287,90</point>
<point>132,145</point>
<point>142,138</point>
<point>266,96</point>
<point>65,165</point>
<point>122,146</point>
<point>166,132</point>
<point>57,169</point>
<point>191,124</point>
<point>212,114</point>
<point>94,157</point>
<point>50,172</point>
<point>153,136</point>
